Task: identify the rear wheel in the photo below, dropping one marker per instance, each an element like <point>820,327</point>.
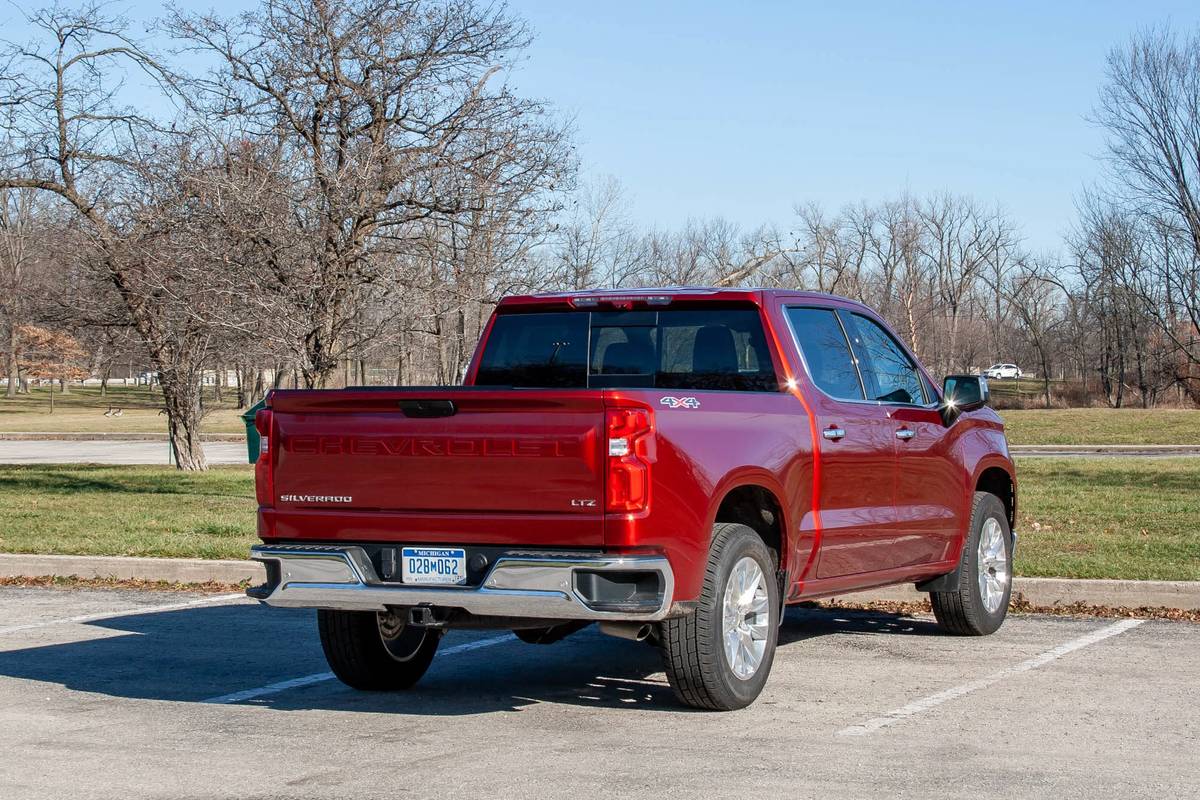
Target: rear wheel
<point>375,651</point>
<point>719,656</point>
<point>978,604</point>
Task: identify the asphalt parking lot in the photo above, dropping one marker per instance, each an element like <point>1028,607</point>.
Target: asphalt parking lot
<point>122,694</point>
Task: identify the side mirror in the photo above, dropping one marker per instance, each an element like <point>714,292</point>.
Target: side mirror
<point>963,393</point>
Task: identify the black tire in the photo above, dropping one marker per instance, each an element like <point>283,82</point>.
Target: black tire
<point>962,610</point>
<point>692,649</point>
<point>375,652</point>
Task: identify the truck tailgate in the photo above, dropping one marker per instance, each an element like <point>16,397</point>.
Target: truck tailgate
<point>443,450</point>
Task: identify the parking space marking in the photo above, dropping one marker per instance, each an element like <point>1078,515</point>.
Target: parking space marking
<point>934,700</point>
<point>204,601</point>
<point>320,677</point>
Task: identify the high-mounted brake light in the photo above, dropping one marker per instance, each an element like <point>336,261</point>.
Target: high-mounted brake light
<point>264,467</point>
<point>630,454</point>
<point>621,301</point>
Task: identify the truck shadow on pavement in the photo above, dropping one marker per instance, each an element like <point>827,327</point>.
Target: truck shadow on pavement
<point>194,654</point>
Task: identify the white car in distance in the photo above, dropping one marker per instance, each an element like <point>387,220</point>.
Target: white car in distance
<point>1003,371</point>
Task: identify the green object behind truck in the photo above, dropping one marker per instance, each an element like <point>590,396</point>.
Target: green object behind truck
<point>252,443</point>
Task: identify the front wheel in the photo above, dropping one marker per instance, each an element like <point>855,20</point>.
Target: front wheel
<point>375,652</point>
<point>978,604</point>
<point>719,656</point>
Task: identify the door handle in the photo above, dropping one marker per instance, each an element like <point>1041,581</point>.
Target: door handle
<point>905,433</point>
<point>833,433</point>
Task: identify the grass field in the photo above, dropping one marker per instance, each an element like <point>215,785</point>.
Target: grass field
<point>1109,518</point>
<point>1080,518</point>
<point>82,411</point>
<point>1103,426</point>
<point>127,511</point>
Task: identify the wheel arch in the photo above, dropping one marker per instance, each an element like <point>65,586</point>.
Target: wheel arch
<point>755,499</point>
<point>997,478</point>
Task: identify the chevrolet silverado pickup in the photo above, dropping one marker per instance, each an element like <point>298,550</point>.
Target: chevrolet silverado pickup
<point>673,465</point>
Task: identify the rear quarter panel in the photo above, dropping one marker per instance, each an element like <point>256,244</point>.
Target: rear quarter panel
<point>702,453</point>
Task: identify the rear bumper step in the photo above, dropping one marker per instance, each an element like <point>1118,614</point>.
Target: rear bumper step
<point>524,584</point>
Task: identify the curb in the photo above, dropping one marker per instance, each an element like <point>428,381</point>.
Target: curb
<point>1069,591</point>
<point>170,570</point>
<point>1148,450</point>
<point>1037,591</point>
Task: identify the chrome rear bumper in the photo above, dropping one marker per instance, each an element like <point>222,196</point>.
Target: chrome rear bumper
<point>524,584</point>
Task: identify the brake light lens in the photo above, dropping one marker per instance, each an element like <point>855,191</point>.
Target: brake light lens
<point>264,467</point>
<point>630,454</point>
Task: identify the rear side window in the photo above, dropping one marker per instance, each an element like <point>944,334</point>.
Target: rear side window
<point>889,374</point>
<point>701,349</point>
<point>826,352</point>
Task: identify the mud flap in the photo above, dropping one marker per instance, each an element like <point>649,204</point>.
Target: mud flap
<point>781,577</point>
<point>942,583</point>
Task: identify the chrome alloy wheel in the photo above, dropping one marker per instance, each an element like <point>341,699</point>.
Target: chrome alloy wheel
<point>745,617</point>
<point>993,567</point>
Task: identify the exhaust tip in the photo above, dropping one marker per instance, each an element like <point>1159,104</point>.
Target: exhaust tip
<point>634,631</point>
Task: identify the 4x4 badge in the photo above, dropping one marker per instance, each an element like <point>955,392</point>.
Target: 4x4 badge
<point>680,402</point>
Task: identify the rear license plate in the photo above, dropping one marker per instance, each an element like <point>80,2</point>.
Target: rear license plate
<point>446,565</point>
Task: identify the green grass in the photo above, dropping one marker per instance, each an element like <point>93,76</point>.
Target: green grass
<point>1102,426</point>
<point>1079,518</point>
<point>127,511</point>
<point>1109,518</point>
<point>82,411</point>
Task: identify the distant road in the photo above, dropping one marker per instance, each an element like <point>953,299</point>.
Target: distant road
<point>121,451</point>
<point>110,452</point>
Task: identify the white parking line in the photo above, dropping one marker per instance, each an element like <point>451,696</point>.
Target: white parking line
<point>934,700</point>
<point>204,601</point>
<point>319,677</point>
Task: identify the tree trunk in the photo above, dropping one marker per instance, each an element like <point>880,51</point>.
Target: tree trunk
<point>219,383</point>
<point>240,374</point>
<point>181,396</point>
<point>14,373</point>
<point>65,385</point>
<point>1045,373</point>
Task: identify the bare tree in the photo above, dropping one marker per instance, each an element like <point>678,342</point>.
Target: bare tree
<point>21,215</point>
<point>1034,294</point>
<point>597,244</point>
<point>70,132</point>
<point>368,105</point>
<point>1150,109</point>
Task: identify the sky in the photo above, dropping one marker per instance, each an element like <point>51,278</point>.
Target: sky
<point>744,109</point>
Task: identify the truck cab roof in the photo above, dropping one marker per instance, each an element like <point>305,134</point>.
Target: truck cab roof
<point>666,295</point>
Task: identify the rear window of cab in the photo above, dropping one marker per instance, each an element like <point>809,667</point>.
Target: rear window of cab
<point>699,349</point>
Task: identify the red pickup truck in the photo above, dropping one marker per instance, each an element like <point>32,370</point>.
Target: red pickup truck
<point>675,465</point>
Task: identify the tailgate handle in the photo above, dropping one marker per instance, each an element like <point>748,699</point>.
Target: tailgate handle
<point>424,409</point>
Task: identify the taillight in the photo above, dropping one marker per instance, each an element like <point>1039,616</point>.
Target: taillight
<point>264,467</point>
<point>630,453</point>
